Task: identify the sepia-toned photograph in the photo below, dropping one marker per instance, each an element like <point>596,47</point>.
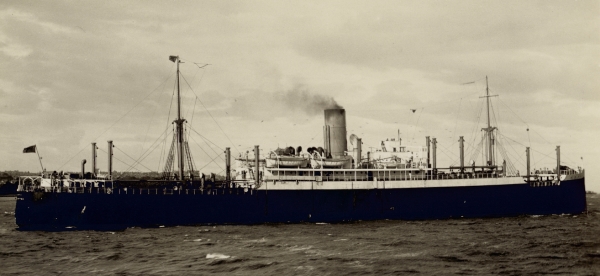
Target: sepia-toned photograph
<point>299,137</point>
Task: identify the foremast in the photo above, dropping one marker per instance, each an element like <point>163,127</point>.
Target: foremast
<point>489,136</point>
<point>181,144</point>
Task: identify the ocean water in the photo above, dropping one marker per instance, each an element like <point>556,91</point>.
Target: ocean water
<point>557,244</point>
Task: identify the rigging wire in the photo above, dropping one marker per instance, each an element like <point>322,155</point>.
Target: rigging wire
<point>221,172</point>
<point>494,146</point>
<point>118,120</point>
<point>445,153</point>
<point>212,159</point>
<point>150,122</point>
<point>205,139</point>
<point>440,146</point>
<point>203,72</point>
<point>200,81</point>
<point>311,139</point>
<point>509,166</point>
<point>117,160</point>
<point>421,108</point>
<point>500,142</point>
<point>476,126</point>
<point>532,129</point>
<point>519,157</point>
<point>523,121</point>
<point>211,116</point>
<point>468,145</point>
<point>479,148</point>
<point>192,119</point>
<point>162,154</point>
<point>514,113</point>
<point>533,150</point>
<point>187,153</point>
<point>195,98</point>
<point>476,151</point>
<point>135,161</point>
<point>191,162</point>
<point>169,165</point>
<point>150,149</point>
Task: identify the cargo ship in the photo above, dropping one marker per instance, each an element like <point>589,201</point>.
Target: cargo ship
<point>331,183</point>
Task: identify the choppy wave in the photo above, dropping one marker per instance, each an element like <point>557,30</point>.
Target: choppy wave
<point>217,256</point>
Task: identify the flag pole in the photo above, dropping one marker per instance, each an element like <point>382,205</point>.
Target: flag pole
<point>39,158</point>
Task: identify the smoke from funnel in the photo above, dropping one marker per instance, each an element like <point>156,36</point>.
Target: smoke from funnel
<point>300,98</point>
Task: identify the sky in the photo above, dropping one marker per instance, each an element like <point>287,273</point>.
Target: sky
<point>77,72</point>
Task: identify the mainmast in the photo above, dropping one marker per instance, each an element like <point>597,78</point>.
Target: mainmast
<point>179,122</point>
<point>489,152</point>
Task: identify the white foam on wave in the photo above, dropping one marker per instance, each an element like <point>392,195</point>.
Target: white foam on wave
<point>305,267</point>
<point>408,255</point>
<point>259,240</point>
<point>301,248</point>
<point>217,256</point>
<point>195,240</point>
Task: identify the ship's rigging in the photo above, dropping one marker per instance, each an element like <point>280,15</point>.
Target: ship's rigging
<point>179,163</point>
<point>489,130</point>
<point>179,143</point>
<point>491,146</point>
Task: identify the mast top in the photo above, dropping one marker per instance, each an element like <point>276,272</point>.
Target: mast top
<point>179,122</point>
<point>489,129</point>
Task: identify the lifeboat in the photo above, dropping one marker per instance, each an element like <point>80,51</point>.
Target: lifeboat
<point>330,163</point>
<point>286,162</point>
<point>275,160</point>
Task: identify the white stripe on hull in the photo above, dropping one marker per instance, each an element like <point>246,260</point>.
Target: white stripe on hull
<point>392,184</point>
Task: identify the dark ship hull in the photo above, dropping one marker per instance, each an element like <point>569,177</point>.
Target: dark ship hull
<point>8,189</point>
<point>95,210</point>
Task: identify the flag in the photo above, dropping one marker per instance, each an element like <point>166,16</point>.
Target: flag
<point>29,149</point>
<point>173,58</point>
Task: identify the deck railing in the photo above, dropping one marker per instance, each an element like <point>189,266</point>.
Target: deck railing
<point>137,191</point>
<point>371,175</point>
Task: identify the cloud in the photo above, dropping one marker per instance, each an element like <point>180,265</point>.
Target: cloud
<point>29,18</point>
<point>466,40</point>
<point>13,49</point>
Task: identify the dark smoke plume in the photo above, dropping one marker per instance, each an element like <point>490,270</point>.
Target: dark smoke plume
<point>300,98</point>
